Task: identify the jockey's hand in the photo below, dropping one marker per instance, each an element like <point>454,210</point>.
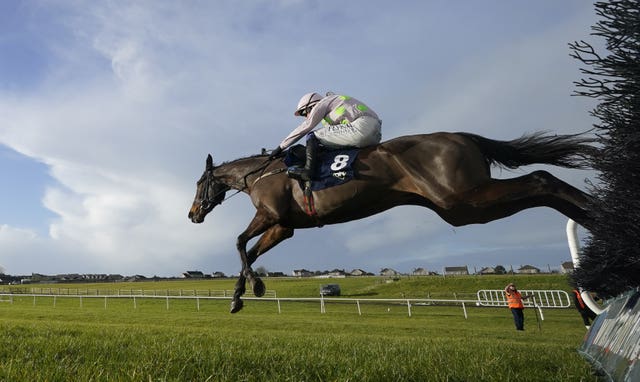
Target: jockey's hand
<point>275,153</point>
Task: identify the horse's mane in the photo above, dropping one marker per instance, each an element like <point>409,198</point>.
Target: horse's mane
<point>254,156</point>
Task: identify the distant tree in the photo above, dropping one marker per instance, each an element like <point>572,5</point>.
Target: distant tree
<point>500,270</point>
<point>262,271</point>
<point>610,261</point>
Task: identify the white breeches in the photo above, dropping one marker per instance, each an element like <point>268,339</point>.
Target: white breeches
<point>364,131</point>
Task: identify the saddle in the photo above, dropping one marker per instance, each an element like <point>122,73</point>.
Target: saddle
<point>333,166</point>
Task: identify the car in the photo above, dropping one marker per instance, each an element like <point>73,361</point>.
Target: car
<point>330,290</point>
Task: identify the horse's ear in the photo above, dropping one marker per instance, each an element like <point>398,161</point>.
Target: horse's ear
<point>209,162</point>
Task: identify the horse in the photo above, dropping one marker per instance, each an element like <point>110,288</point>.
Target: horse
<point>448,173</point>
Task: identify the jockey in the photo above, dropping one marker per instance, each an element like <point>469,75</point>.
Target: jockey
<point>346,122</point>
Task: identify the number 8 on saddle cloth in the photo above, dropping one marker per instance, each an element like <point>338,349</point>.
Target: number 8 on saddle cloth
<point>334,167</point>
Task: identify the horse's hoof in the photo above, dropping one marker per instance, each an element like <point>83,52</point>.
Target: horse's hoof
<point>236,305</point>
<point>258,287</point>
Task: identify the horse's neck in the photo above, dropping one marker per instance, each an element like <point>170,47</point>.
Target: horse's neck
<point>237,174</point>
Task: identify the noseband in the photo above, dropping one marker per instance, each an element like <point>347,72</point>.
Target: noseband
<point>212,198</point>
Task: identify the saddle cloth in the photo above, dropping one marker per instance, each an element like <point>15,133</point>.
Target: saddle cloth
<point>334,167</point>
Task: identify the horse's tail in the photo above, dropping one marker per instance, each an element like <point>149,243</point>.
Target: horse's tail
<point>572,151</point>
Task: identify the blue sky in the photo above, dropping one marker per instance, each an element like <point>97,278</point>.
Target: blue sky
<point>108,110</point>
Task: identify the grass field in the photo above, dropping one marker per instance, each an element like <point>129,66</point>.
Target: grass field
<point>152,343</point>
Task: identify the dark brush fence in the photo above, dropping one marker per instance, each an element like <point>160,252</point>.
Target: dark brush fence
<point>610,261</point>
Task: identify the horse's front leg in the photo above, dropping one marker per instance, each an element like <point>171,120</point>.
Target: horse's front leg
<point>245,273</point>
<point>271,237</point>
<point>257,285</point>
<point>239,289</point>
<point>258,225</point>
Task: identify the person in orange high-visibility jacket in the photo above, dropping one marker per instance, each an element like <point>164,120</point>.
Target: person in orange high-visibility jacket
<point>514,299</point>
<point>587,314</point>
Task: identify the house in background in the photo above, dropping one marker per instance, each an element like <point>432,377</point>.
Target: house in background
<point>528,269</point>
<point>302,273</point>
<point>389,272</point>
<point>566,267</point>
<point>420,272</point>
<point>456,271</point>
<point>487,271</point>
<point>335,273</point>
<point>193,275</point>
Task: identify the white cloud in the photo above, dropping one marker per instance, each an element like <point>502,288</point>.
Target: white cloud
<point>523,86</point>
<point>392,229</point>
<point>12,236</point>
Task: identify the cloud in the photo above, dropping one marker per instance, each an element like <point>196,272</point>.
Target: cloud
<point>12,236</point>
<point>116,150</point>
<point>520,86</point>
<point>391,229</point>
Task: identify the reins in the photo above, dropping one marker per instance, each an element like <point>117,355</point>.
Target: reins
<point>230,196</point>
<point>262,167</point>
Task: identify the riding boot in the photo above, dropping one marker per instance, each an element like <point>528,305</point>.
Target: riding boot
<point>305,174</point>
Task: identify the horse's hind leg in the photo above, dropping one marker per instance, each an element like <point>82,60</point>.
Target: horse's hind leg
<point>500,198</point>
<point>272,237</point>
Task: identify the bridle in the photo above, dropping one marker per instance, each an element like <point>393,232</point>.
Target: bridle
<point>210,197</point>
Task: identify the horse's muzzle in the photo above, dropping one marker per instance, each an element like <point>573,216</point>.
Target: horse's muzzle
<point>194,216</point>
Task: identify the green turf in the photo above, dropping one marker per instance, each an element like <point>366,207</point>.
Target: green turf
<point>118,342</point>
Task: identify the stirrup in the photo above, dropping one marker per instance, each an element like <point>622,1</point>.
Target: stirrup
<point>298,173</point>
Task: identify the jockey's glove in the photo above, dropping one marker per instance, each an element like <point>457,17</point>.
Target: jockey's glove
<point>275,153</point>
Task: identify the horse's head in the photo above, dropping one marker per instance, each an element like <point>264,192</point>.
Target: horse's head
<point>210,192</point>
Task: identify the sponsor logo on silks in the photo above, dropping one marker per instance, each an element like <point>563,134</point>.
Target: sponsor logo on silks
<point>340,175</point>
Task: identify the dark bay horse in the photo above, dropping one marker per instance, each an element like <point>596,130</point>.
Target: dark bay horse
<point>448,173</point>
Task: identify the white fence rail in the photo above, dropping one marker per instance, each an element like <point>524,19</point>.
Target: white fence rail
<point>541,298</point>
<point>74,292</point>
<point>410,303</point>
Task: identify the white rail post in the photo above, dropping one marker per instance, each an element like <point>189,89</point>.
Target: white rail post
<point>574,248</point>
<point>464,310</point>
<point>541,315</point>
<point>279,311</point>
<point>409,307</point>
<point>359,311</point>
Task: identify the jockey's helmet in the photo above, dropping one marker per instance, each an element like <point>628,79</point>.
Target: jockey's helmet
<point>306,102</point>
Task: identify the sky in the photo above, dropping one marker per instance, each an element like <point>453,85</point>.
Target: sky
<point>108,110</point>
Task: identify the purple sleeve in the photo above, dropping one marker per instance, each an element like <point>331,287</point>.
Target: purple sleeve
<point>317,113</point>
